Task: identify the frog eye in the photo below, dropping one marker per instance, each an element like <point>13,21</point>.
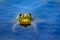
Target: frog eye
<point>21,15</point>
<point>29,15</point>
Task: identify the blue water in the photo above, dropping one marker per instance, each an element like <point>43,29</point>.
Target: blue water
<point>42,9</point>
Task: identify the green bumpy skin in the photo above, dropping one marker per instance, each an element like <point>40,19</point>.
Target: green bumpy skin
<point>30,18</point>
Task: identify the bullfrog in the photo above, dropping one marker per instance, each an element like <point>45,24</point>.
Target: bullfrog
<point>25,20</point>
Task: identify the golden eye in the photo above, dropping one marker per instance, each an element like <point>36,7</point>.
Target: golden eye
<point>29,15</point>
<point>21,15</point>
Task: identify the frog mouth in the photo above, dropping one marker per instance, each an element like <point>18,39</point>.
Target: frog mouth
<point>25,21</point>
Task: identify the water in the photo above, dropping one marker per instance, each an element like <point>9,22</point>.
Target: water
<point>48,11</point>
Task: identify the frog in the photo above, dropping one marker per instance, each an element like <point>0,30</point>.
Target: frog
<point>25,20</point>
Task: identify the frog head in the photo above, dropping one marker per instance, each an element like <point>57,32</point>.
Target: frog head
<point>26,18</point>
